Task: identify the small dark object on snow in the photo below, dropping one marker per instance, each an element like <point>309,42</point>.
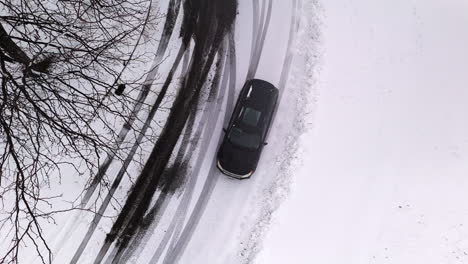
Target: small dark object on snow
<point>120,89</point>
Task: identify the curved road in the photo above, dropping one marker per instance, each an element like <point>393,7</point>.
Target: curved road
<point>269,58</point>
<point>212,219</point>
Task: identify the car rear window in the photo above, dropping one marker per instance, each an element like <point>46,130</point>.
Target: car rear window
<point>251,116</point>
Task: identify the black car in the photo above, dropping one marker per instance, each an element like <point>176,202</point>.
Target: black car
<point>245,135</point>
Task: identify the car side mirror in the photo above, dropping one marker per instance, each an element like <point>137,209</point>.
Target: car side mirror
<point>265,143</point>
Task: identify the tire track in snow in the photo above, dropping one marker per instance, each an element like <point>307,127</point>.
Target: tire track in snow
<point>174,171</point>
<point>172,12</point>
<point>264,28</point>
<point>286,68</point>
<point>259,39</point>
<point>126,163</point>
<point>208,24</point>
<point>263,221</point>
<point>182,242</point>
<point>293,30</point>
<point>153,111</point>
<point>141,238</point>
<point>231,66</point>
<point>254,33</point>
<point>158,210</point>
<point>176,224</point>
<point>179,245</point>
<point>182,210</point>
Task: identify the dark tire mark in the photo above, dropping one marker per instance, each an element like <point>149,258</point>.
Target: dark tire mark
<point>260,43</point>
<point>254,34</point>
<point>232,75</point>
<point>145,237</point>
<point>259,29</point>
<point>127,161</point>
<point>155,107</point>
<point>211,23</point>
<point>289,52</point>
<point>229,103</point>
<point>169,181</point>
<point>172,13</point>
<point>177,223</point>
<point>179,243</point>
<point>177,249</point>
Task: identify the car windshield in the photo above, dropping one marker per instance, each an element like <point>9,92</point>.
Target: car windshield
<point>240,138</point>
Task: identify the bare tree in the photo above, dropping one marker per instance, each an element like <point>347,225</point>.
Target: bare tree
<point>60,62</point>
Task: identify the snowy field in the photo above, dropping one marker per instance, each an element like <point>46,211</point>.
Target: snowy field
<point>381,175</point>
<point>366,156</point>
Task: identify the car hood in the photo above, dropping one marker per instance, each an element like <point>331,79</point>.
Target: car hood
<point>237,160</point>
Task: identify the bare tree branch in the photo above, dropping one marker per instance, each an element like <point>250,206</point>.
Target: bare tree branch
<point>59,64</point>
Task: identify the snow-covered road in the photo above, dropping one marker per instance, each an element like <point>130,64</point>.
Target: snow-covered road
<point>224,211</point>
<point>215,216</point>
<point>211,218</point>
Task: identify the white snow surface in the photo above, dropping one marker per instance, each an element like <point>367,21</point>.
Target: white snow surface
<point>381,175</point>
<point>366,157</point>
